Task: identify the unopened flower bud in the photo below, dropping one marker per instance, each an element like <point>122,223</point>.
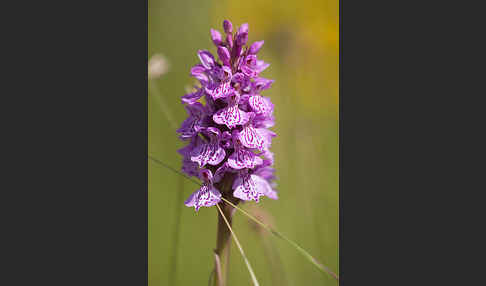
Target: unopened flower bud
<point>243,28</point>
<point>224,55</point>
<point>242,38</point>
<point>227,26</point>
<point>216,37</point>
<point>229,40</point>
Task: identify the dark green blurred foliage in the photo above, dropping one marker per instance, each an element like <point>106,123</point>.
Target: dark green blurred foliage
<point>301,44</point>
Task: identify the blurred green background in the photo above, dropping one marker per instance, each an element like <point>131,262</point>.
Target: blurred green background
<point>302,47</point>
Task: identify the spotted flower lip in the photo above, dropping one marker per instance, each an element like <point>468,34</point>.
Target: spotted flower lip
<point>241,157</point>
<point>231,115</point>
<point>211,152</point>
<point>207,195</point>
<point>220,85</point>
<point>249,187</point>
<point>220,90</point>
<point>229,135</point>
<point>252,138</point>
<point>259,104</point>
<point>246,188</point>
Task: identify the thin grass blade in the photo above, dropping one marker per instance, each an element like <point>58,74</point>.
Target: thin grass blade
<point>252,274</point>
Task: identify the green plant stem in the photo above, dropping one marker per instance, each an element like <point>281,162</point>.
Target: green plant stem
<point>223,243</point>
<point>250,269</point>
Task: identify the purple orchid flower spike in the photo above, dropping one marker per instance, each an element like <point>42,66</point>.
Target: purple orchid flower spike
<point>209,153</point>
<point>207,195</point>
<point>230,133</point>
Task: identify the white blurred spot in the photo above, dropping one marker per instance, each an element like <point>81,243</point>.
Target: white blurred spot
<point>157,66</point>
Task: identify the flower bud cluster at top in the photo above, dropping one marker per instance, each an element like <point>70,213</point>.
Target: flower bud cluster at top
<point>229,135</point>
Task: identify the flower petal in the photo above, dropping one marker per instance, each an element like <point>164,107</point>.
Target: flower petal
<point>206,196</point>
<point>191,200</point>
<point>264,187</point>
<point>261,83</point>
<point>251,138</point>
<point>261,66</point>
<point>208,153</point>
<point>231,116</point>
<point>220,90</point>
<point>193,97</point>
<point>242,158</point>
<point>187,130</point>
<point>267,136</point>
<point>255,47</point>
<point>246,188</point>
<point>206,58</point>
<point>198,71</point>
<point>259,104</point>
<point>188,167</point>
